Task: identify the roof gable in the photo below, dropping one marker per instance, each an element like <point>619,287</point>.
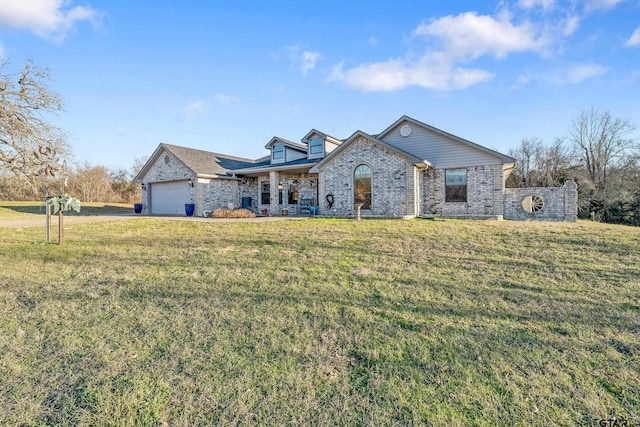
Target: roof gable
<point>326,136</point>
<point>291,144</point>
<point>439,147</point>
<point>201,162</point>
<point>354,137</point>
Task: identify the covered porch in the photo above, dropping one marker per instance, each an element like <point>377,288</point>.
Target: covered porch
<point>284,190</point>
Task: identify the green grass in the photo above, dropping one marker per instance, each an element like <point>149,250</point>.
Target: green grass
<point>17,210</point>
<point>320,322</point>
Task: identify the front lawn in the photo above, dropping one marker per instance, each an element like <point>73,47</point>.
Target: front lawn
<point>320,322</point>
<point>18,210</point>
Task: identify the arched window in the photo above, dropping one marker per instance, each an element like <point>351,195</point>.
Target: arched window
<point>362,186</point>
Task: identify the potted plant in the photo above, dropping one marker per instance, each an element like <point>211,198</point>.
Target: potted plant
<point>189,208</point>
<point>264,211</point>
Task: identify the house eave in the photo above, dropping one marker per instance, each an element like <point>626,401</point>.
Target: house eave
<point>326,136</point>
<point>291,144</point>
<point>251,171</point>
<point>162,147</point>
<point>415,160</point>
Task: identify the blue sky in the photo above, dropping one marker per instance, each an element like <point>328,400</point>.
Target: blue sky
<point>227,76</point>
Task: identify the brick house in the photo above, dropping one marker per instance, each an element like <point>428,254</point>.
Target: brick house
<point>407,170</point>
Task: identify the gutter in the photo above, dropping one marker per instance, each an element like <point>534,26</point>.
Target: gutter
<point>275,168</point>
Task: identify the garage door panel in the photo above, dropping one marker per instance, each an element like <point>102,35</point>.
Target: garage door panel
<point>169,198</point>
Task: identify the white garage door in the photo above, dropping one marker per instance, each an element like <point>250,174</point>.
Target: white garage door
<point>169,198</point>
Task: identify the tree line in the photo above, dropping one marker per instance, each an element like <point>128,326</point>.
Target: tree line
<point>84,181</point>
<point>600,153</point>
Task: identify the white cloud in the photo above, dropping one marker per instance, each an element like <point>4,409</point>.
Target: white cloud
<point>384,76</point>
<point>530,4</point>
<point>430,72</point>
<point>453,41</point>
<point>571,25</point>
<point>579,73</point>
<point>601,4</point>
<point>634,40</point>
<point>1,51</point>
<point>462,78</point>
<point>192,109</point>
<point>468,36</point>
<point>227,99</point>
<point>50,19</point>
<point>309,60</point>
<point>305,59</point>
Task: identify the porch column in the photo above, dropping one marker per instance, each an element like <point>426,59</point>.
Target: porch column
<point>274,181</point>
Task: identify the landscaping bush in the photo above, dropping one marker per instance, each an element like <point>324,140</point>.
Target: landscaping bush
<point>232,213</point>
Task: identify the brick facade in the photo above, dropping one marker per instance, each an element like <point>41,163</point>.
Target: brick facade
<point>393,181</point>
<point>306,184</point>
<point>485,194</point>
<point>402,184</point>
<point>167,168</point>
<point>216,193</point>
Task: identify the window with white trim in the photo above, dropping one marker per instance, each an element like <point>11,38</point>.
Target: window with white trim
<point>362,179</point>
<point>265,195</point>
<point>316,146</point>
<point>278,152</point>
<point>455,182</point>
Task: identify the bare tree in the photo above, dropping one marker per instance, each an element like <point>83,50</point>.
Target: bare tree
<point>556,164</point>
<point>25,101</point>
<point>527,156</point>
<point>602,143</point>
<point>91,183</point>
<point>138,164</point>
<point>538,165</point>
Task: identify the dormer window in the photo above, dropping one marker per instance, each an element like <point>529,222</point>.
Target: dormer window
<point>278,152</point>
<point>316,146</point>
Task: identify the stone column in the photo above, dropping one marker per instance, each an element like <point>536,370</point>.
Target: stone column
<point>498,191</point>
<point>570,201</point>
<point>144,199</point>
<point>274,180</point>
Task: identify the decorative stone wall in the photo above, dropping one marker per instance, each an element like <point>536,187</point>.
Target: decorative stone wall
<point>393,181</point>
<point>485,194</point>
<point>557,203</point>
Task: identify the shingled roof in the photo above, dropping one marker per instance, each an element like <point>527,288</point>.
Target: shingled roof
<point>207,163</point>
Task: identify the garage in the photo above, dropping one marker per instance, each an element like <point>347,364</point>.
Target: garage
<point>169,198</point>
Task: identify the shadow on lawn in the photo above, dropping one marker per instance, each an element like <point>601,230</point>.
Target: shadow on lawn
<point>95,210</point>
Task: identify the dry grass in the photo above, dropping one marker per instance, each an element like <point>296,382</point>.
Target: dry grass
<point>323,322</point>
<point>232,213</point>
